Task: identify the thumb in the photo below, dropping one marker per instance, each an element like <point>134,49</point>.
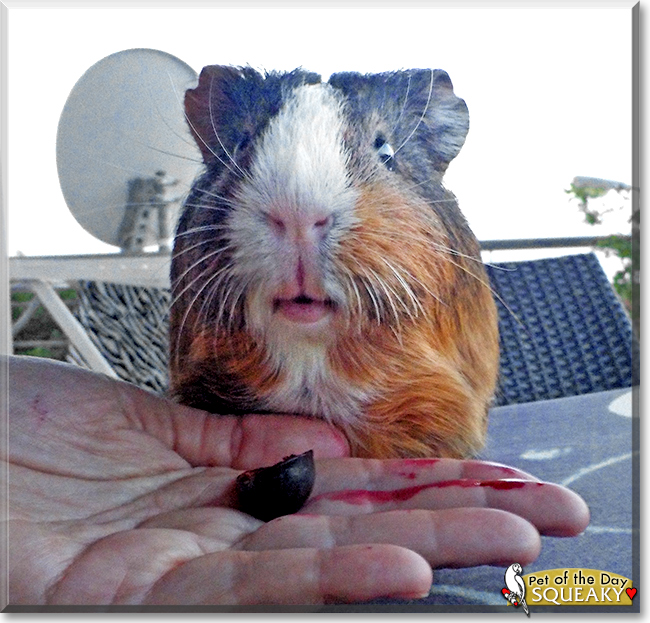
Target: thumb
<point>260,440</point>
<point>249,441</point>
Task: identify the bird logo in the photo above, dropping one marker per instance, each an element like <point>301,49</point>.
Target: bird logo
<point>515,592</point>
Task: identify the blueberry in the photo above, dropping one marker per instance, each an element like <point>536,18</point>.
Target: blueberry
<point>281,489</point>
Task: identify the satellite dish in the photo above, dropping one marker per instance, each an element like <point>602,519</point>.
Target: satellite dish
<point>123,144</point>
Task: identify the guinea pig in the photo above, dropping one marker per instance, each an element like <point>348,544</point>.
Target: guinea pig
<point>321,268</point>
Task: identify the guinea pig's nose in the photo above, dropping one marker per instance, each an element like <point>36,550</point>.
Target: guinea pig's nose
<point>302,227</point>
<point>320,227</point>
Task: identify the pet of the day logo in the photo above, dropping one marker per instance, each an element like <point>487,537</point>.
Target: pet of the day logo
<point>567,587</point>
<point>515,591</point>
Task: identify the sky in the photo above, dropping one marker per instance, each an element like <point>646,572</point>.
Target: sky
<point>549,92</point>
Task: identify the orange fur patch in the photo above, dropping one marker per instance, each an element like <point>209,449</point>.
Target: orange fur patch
<point>435,374</point>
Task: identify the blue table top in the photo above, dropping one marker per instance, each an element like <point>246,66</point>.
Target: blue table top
<point>583,442</point>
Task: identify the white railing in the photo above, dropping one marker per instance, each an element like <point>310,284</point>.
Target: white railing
<point>44,275</point>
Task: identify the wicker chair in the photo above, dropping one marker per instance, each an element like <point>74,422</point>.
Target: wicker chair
<point>563,330</point>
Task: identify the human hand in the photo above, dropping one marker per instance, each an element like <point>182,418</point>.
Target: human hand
<point>121,497</point>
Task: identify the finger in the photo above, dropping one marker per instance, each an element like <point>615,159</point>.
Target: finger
<point>552,509</point>
<point>454,537</point>
<point>122,567</point>
<point>295,576</point>
<point>242,442</point>
<point>374,474</point>
<point>267,439</point>
<point>220,525</point>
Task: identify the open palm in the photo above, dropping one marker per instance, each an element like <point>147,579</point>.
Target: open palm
<point>121,497</point>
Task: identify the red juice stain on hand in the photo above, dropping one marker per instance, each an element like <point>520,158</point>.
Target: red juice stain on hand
<point>418,462</point>
<point>407,468</point>
<point>363,496</point>
<point>508,484</point>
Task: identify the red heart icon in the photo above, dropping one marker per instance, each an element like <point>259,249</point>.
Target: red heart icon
<point>631,592</point>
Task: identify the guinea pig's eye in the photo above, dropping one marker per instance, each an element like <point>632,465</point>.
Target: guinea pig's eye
<point>385,152</point>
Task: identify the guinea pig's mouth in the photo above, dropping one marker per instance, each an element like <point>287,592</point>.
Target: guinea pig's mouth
<point>303,309</point>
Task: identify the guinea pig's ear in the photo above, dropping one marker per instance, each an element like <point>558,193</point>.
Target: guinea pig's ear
<point>231,105</point>
<point>431,96</point>
<point>419,104</point>
<point>205,107</point>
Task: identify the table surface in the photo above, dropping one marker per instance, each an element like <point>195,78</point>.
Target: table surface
<point>583,442</point>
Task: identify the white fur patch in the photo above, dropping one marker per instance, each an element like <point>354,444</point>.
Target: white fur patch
<point>301,163</point>
<point>298,176</point>
<point>311,387</point>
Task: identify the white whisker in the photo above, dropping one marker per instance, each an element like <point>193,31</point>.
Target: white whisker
<point>214,129</point>
<point>406,98</point>
<point>409,292</point>
<point>181,108</point>
<point>367,284</point>
<point>215,289</point>
<point>387,289</point>
<point>424,112</point>
<point>240,292</point>
<point>177,254</point>
<point>181,278</point>
<point>200,228</point>
<point>207,282</point>
<point>198,135</point>
<point>208,206</point>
